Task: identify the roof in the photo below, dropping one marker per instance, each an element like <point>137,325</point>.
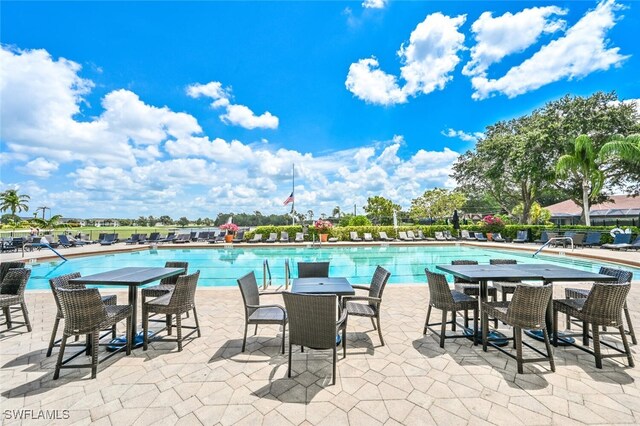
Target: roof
<point>620,205</point>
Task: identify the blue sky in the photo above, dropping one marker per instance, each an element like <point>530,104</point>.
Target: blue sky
<point>188,109</point>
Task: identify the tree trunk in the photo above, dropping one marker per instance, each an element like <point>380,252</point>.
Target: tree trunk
<point>585,202</point>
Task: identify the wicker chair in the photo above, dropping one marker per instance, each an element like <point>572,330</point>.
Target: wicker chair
<point>312,323</point>
<point>5,266</point>
<point>471,288</point>
<point>622,278</point>
<point>313,269</point>
<point>602,307</point>
<point>526,310</point>
<point>374,299</point>
<point>166,286</point>
<point>177,302</point>
<point>12,293</point>
<point>63,282</point>
<point>447,300</point>
<point>85,313</point>
<point>255,313</point>
<point>505,287</point>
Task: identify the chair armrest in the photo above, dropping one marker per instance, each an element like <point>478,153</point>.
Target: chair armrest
<point>270,293</point>
<point>267,306</point>
<point>342,321</point>
<point>346,299</point>
<point>361,287</point>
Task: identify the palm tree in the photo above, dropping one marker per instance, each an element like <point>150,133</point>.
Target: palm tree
<point>583,164</point>
<point>626,148</point>
<point>310,214</point>
<point>11,200</point>
<point>336,212</point>
<point>48,224</point>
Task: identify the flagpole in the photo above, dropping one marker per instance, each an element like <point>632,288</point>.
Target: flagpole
<point>293,187</point>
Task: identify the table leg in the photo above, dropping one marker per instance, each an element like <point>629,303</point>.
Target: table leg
<point>133,302</point>
<point>549,315</point>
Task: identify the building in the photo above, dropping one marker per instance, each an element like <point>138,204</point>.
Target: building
<point>622,210</point>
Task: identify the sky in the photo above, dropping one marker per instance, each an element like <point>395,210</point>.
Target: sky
<point>193,108</point>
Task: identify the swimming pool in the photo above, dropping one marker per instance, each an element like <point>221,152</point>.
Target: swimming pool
<point>221,267</point>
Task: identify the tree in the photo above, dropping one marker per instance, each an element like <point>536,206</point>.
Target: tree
<point>436,203</point>
<point>141,221</point>
<point>539,215</point>
<point>359,221</point>
<point>582,164</point>
<point>14,202</point>
<point>310,214</point>
<point>51,223</point>
<point>166,220</point>
<point>336,212</point>
<point>380,210</point>
<point>182,222</point>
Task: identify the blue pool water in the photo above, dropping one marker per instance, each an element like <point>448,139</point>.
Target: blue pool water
<point>221,267</point>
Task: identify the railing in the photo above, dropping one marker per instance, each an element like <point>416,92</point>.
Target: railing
<point>266,271</point>
<point>287,274</point>
<point>554,239</point>
<point>45,245</point>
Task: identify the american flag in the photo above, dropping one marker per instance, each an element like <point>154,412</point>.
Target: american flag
<point>288,200</point>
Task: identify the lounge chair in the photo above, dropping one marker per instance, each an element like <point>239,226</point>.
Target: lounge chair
<point>423,237</point>
<point>521,237</point>
<point>545,237</point>
<point>171,236</point>
<point>619,241</point>
<point>49,240</point>
<point>193,236</point>
<point>239,237</point>
<point>635,245</point>
<point>284,237</point>
<point>439,236</point>
<point>299,237</point>
<point>578,240</point>
<point>219,238</point>
<point>498,238</point>
<point>273,237</point>
<point>448,236</point>
<point>106,241</point>
<point>154,237</point>
<point>412,236</point>
<point>480,236</point>
<point>64,241</point>
<point>466,236</point>
<point>353,236</point>
<point>593,239</point>
<point>182,238</point>
<point>563,241</point>
<point>403,236</point>
<point>332,239</point>
<point>133,239</point>
<point>367,236</point>
<point>383,236</point>
<point>257,238</point>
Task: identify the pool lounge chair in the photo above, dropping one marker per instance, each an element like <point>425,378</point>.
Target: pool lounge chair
<point>383,236</point>
<point>423,237</point>
<point>466,236</point>
<point>498,238</point>
<point>521,237</point>
<point>171,236</point>
<point>440,236</point>
<point>448,236</point>
<point>299,237</point>
<point>284,237</point>
<point>133,239</point>
<point>403,236</point>
<point>367,236</point>
<point>257,238</point>
<point>618,241</point>
<point>635,245</point>
<point>108,239</point>
<point>218,238</point>
<point>154,237</point>
<point>64,241</point>
<point>353,236</point>
<point>412,236</point>
<point>480,236</point>
<point>239,237</point>
<point>593,239</point>
<point>273,237</point>
<point>182,238</point>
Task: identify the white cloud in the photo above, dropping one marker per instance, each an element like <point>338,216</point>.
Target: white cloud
<point>374,4</point>
<point>237,115</point>
<point>581,51</point>
<point>429,58</point>
<point>510,33</point>
<point>462,135</point>
<point>39,167</point>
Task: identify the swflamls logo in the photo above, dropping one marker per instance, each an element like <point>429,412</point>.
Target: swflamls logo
<point>26,414</point>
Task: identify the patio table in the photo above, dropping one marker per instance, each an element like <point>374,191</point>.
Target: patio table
<point>133,277</point>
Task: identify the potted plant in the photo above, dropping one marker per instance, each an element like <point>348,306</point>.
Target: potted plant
<point>323,227</point>
<point>231,229</point>
<point>492,224</point>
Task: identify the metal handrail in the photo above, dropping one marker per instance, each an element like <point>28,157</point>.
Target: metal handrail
<point>266,271</point>
<point>46,245</point>
<point>287,274</point>
<point>552,239</point>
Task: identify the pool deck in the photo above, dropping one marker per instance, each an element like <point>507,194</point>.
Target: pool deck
<point>409,381</point>
<point>631,258</point>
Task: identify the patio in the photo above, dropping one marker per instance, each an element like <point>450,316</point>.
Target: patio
<point>408,381</point>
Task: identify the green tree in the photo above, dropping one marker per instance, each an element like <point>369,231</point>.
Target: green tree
<point>50,223</point>
<point>336,212</point>
<point>14,202</point>
<point>621,148</point>
<point>380,210</point>
<point>166,220</point>
<point>538,214</point>
<point>310,214</point>
<point>436,203</point>
<point>182,222</point>
<point>142,221</point>
<point>359,221</point>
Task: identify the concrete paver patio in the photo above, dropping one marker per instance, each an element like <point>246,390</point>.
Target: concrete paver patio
<point>408,381</point>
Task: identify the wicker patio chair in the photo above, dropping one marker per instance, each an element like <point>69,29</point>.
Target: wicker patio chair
<point>505,287</point>
<point>85,313</point>
<point>312,323</point>
<point>181,300</point>
<point>471,288</point>
<point>447,300</point>
<point>255,313</point>
<point>166,286</point>
<point>622,277</point>
<point>313,269</point>
<point>602,307</point>
<point>5,266</point>
<point>372,308</point>
<point>63,282</point>
<point>526,310</point>
<point>12,293</point>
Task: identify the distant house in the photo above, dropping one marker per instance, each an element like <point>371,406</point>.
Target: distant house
<point>79,221</point>
<point>622,210</point>
<point>104,222</point>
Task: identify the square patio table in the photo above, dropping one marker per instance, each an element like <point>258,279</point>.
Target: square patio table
<point>133,277</point>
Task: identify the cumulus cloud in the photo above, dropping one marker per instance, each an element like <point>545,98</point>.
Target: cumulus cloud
<point>582,50</point>
<point>374,4</point>
<point>462,135</point>
<point>429,58</point>
<point>237,115</point>
<point>39,167</point>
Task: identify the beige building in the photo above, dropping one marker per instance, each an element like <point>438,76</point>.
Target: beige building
<point>622,210</point>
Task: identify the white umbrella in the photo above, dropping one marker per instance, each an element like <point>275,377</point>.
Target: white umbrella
<point>395,221</point>
<point>230,220</point>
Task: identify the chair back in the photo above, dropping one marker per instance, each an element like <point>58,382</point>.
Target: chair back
<point>367,236</point>
<point>273,236</point>
<point>284,235</point>
<point>378,283</point>
<point>15,281</point>
<point>382,235</point>
<point>299,236</point>
<point>578,239</point>
<point>83,309</point>
<point>411,235</point>
<point>621,276</point>
<point>622,239</point>
<point>528,306</point>
<point>463,262</point>
<point>184,293</point>
<point>593,238</point>
<point>174,279</point>
<point>63,282</point>
<point>522,235</point>
<point>353,235</point>
<point>439,292</point>
<point>402,235</point>
<point>257,237</point>
<point>313,269</point>
<point>239,235</point>
<point>312,319</point>
<point>478,235</point>
<point>465,234</point>
<point>502,262</point>
<point>605,302</point>
<point>5,266</point>
<point>544,237</point>
<point>439,235</point>
<point>250,294</point>
<point>64,240</point>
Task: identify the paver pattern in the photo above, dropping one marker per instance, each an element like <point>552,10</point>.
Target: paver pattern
<point>408,381</point>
